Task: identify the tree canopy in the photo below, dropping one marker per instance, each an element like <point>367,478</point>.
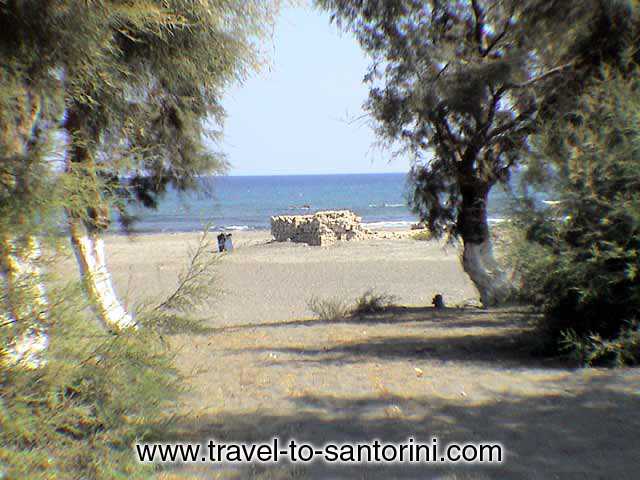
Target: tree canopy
<point>462,84</point>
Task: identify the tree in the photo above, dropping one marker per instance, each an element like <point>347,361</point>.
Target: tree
<point>120,92</point>
<point>457,83</point>
<point>138,81</point>
<point>584,271</point>
<point>29,101</point>
<point>143,113</point>
<point>578,258</point>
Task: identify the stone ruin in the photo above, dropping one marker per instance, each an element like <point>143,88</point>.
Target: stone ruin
<point>319,229</point>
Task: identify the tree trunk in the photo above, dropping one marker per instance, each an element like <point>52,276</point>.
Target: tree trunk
<point>24,292</point>
<point>26,301</point>
<point>88,247</point>
<point>85,229</point>
<point>477,258</point>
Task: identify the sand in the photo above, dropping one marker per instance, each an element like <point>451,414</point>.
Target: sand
<point>269,368</point>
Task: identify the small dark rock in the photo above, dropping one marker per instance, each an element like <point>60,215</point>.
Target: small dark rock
<point>438,302</point>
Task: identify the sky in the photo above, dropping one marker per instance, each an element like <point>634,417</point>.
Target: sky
<point>297,115</point>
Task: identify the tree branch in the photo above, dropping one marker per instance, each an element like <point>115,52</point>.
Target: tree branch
<point>502,34</point>
<point>444,131</point>
<point>542,76</point>
<point>479,26</point>
<point>442,70</point>
<point>507,126</point>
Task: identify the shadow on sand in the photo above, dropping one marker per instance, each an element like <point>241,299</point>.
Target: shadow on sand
<point>592,434</point>
<point>586,428</point>
<point>511,341</point>
<point>447,318</point>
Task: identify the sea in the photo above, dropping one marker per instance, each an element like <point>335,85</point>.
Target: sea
<point>231,203</point>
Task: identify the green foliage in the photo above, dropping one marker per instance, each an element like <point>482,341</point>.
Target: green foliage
<point>423,236</point>
<point>197,285</point>
<point>594,350</point>
<point>580,258</point>
<point>450,82</point>
<point>77,416</point>
<point>134,86</point>
<point>463,84</point>
<point>107,90</point>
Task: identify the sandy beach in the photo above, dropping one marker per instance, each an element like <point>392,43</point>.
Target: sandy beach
<point>264,281</point>
<point>269,368</point>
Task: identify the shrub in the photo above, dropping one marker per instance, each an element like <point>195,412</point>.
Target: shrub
<point>79,415</point>
<point>594,350</point>
<point>336,309</point>
<point>371,302</point>
<point>579,260</point>
<point>423,236</point>
<point>328,309</point>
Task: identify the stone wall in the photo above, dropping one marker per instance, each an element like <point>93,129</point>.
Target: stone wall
<point>319,229</point>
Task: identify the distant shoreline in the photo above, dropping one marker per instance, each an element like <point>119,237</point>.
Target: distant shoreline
<point>309,174</point>
<point>145,233</point>
<point>382,226</point>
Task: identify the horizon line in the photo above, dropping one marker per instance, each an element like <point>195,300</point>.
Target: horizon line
<point>307,174</point>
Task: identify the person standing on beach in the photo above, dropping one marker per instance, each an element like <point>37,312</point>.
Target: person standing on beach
<point>221,242</point>
<point>228,243</point>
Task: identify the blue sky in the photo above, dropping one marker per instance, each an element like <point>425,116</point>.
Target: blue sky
<point>293,117</point>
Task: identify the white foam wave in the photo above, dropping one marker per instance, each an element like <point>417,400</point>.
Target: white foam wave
<point>237,227</point>
<point>398,224</point>
<point>387,205</point>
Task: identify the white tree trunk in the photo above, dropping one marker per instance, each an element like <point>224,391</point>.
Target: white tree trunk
<point>491,281</point>
<point>24,291</point>
<point>26,301</point>
<point>90,255</point>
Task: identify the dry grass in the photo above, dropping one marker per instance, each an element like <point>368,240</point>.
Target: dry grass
<point>333,309</point>
<point>371,303</point>
<point>329,309</point>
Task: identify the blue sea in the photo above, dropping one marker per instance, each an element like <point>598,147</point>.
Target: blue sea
<point>248,202</point>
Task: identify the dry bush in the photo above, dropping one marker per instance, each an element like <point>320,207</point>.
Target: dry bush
<point>371,302</point>
<point>423,236</point>
<point>336,309</point>
<point>329,309</point>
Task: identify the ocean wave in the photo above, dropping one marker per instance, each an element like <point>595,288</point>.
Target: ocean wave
<point>388,224</point>
<point>237,227</point>
<point>387,205</point>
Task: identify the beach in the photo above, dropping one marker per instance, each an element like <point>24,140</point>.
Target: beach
<point>268,367</point>
<point>264,281</point>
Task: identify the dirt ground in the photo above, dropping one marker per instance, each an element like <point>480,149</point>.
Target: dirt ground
<point>268,368</point>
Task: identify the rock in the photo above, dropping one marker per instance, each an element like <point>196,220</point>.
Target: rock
<point>438,302</point>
